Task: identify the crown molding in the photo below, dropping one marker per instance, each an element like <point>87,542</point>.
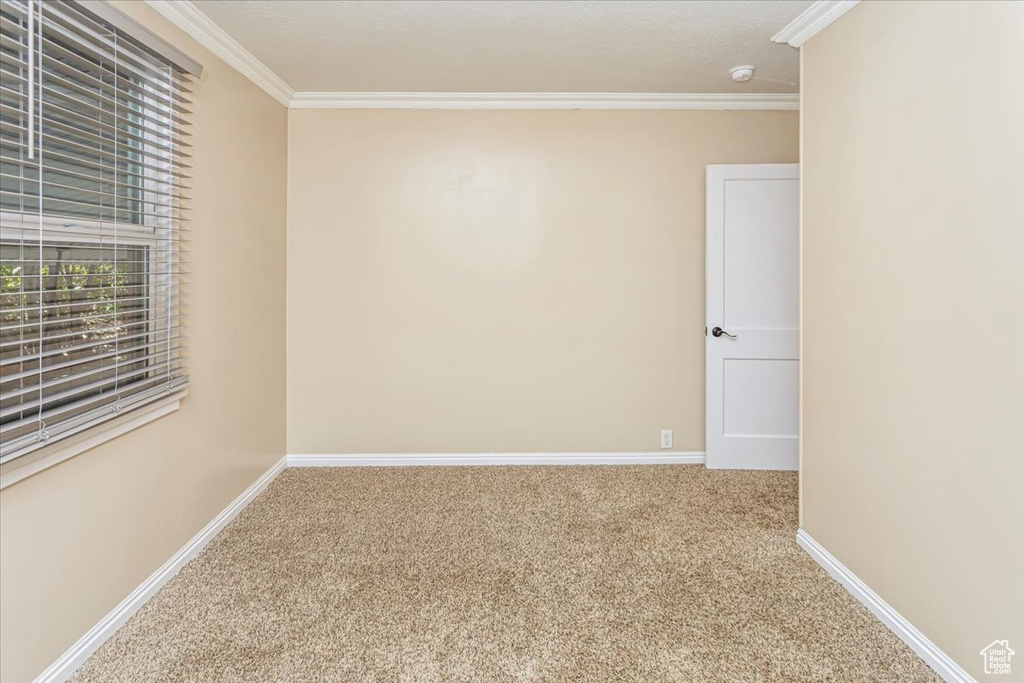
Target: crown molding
<point>187,17</point>
<point>518,100</point>
<point>812,20</point>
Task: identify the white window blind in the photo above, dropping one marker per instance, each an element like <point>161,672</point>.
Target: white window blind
<point>93,171</point>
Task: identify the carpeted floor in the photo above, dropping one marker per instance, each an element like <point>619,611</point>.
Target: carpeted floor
<point>654,573</point>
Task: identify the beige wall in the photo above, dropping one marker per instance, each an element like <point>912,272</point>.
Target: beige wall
<point>513,281</point>
<point>913,312</point>
<point>79,537</point>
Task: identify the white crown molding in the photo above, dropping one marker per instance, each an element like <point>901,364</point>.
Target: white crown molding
<point>200,27</point>
<point>943,664</point>
<point>78,653</point>
<point>522,100</point>
<point>449,459</point>
<point>812,20</point>
<point>185,15</point>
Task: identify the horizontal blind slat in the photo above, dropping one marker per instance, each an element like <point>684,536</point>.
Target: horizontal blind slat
<point>125,301</point>
<point>67,24</point>
<point>102,39</point>
<point>34,373</point>
<point>67,65</point>
<point>101,155</point>
<point>133,320</point>
<point>57,396</point>
<point>164,196</point>
<point>57,83</point>
<point>150,361</point>
<point>87,210</point>
<point>89,413</point>
<point>96,141</point>
<point>92,119</point>
<point>144,326</point>
<point>11,157</point>
<point>67,404</point>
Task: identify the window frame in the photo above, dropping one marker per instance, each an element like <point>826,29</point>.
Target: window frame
<point>57,230</point>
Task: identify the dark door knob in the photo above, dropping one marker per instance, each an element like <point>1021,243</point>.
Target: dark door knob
<point>718,332</point>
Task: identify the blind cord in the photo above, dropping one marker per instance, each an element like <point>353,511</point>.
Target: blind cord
<point>116,406</point>
<point>37,54</point>
<point>31,78</point>
<point>171,262</point>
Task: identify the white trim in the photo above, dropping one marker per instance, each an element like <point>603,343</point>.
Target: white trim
<point>189,18</point>
<point>411,459</point>
<point>949,670</point>
<point>812,20</point>
<point>95,434</point>
<point>78,653</point>
<point>800,314</point>
<point>185,15</point>
<point>527,100</point>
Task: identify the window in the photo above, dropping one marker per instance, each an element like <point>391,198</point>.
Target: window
<point>93,140</point>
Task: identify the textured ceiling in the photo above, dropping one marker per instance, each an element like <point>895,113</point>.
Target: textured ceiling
<point>515,45</point>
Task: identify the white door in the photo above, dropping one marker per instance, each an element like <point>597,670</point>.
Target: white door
<point>753,299</point>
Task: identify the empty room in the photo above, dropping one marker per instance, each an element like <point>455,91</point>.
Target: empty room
<point>511,340</point>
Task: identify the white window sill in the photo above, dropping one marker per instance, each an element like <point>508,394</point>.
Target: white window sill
<point>39,460</point>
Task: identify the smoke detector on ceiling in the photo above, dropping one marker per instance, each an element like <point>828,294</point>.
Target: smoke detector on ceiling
<point>742,74</point>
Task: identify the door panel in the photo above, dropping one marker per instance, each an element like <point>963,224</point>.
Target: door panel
<point>753,294</point>
<point>760,397</point>
<point>761,226</point>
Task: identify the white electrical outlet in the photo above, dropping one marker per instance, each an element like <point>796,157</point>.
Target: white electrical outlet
<point>666,438</point>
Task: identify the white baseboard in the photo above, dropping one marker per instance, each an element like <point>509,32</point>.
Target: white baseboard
<point>78,653</point>
<point>409,459</point>
<point>904,630</point>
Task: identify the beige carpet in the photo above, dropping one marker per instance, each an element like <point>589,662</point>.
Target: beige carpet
<point>667,573</point>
